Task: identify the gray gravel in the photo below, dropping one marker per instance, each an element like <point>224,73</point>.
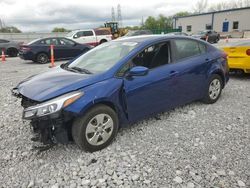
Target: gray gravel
<point>196,145</point>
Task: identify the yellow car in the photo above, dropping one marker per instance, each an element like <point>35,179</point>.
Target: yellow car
<point>239,56</point>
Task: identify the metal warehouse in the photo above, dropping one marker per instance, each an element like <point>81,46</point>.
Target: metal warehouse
<point>221,21</point>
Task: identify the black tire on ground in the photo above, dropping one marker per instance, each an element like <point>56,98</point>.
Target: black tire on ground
<point>12,52</point>
<point>213,91</point>
<point>85,128</point>
<point>42,58</point>
<point>102,41</point>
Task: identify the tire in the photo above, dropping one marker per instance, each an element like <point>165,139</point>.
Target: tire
<point>88,132</point>
<point>42,58</point>
<point>12,52</point>
<point>102,41</point>
<point>213,91</point>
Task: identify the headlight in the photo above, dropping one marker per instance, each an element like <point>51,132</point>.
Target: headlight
<point>51,106</point>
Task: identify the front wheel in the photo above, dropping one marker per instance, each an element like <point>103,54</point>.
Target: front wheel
<point>213,90</point>
<point>96,129</point>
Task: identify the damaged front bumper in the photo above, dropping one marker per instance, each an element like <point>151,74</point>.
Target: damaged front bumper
<point>51,128</point>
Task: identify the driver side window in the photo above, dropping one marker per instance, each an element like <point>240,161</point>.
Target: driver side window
<point>151,57</point>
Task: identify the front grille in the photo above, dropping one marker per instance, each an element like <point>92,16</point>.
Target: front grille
<point>26,102</point>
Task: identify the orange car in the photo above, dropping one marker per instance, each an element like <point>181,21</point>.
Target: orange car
<point>239,56</point>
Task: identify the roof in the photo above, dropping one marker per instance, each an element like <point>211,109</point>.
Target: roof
<point>213,12</point>
<point>143,38</point>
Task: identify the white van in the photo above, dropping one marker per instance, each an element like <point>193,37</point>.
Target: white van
<point>92,37</point>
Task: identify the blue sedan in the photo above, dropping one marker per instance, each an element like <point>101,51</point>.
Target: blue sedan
<point>118,83</point>
<point>39,50</point>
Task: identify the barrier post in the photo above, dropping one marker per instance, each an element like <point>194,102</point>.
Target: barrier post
<point>52,59</point>
<point>3,56</point>
<point>227,39</point>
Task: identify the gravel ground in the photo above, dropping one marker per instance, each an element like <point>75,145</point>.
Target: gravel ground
<point>196,145</point>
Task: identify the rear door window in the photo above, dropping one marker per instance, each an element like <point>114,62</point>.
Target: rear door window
<point>187,48</point>
<point>52,41</point>
<point>87,33</point>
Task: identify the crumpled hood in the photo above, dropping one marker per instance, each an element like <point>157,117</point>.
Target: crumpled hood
<point>54,83</point>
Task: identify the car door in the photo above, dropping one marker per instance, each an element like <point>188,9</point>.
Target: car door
<point>68,48</point>
<point>88,37</point>
<point>149,94</point>
<point>179,81</point>
<point>190,62</point>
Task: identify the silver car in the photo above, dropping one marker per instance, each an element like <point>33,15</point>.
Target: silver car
<point>11,48</point>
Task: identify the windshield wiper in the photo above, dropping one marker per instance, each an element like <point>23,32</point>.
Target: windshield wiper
<point>81,70</point>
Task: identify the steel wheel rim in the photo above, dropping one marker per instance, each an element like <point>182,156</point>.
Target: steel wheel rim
<point>99,129</point>
<point>214,89</point>
<point>43,58</point>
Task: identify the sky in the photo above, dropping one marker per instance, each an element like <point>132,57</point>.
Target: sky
<point>44,15</point>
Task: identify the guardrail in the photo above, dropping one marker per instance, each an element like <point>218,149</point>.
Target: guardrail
<point>27,37</point>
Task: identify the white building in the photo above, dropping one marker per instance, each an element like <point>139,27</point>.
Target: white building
<point>221,21</point>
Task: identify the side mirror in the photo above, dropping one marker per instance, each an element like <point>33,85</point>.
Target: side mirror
<point>75,36</point>
<point>138,71</point>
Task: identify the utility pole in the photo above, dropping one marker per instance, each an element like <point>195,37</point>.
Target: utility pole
<point>119,15</point>
<point>113,14</point>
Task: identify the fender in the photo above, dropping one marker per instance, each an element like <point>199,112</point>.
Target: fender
<point>107,92</point>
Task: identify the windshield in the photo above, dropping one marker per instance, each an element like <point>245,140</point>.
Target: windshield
<point>130,33</point>
<point>103,57</point>
<point>70,34</point>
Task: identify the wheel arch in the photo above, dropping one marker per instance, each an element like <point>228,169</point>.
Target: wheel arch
<point>220,73</point>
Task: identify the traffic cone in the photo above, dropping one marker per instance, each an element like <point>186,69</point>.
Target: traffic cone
<point>52,59</point>
<point>3,56</point>
<point>206,38</point>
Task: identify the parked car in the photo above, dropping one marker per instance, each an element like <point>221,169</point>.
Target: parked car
<point>239,56</point>
<point>39,50</point>
<point>11,48</point>
<point>119,83</point>
<point>178,33</point>
<point>213,36</point>
<point>138,32</point>
<point>91,37</point>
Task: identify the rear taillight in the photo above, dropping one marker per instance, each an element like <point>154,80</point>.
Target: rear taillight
<point>224,55</point>
<point>248,52</point>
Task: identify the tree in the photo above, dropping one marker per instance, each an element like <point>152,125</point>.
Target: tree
<point>183,13</point>
<point>160,22</point>
<point>200,6</point>
<point>10,29</point>
<point>59,29</point>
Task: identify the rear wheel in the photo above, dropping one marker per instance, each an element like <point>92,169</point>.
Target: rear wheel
<point>213,90</point>
<point>102,41</point>
<point>96,129</point>
<point>42,58</point>
<point>12,52</point>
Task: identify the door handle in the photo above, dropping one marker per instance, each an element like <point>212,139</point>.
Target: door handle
<point>173,73</point>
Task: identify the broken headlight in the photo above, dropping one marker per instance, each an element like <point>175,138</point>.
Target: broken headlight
<point>51,106</point>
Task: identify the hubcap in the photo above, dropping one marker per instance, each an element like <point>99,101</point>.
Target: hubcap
<point>43,59</point>
<point>214,89</point>
<point>99,129</point>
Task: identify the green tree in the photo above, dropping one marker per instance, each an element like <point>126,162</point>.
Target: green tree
<point>59,29</point>
<point>183,13</point>
<point>10,29</point>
